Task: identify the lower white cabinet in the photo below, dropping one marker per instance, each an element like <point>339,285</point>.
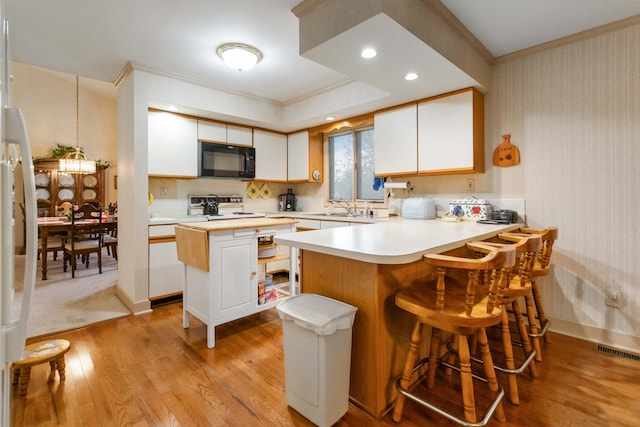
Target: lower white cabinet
<point>229,290</point>
<point>166,273</point>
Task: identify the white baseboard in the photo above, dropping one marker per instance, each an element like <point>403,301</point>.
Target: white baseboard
<point>136,308</point>
<point>596,335</point>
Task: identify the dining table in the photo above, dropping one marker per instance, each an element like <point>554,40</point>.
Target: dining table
<point>49,225</point>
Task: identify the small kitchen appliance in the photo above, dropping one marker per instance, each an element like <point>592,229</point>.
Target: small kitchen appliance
<point>506,215</point>
<point>226,161</point>
<point>213,207</point>
<point>287,202</point>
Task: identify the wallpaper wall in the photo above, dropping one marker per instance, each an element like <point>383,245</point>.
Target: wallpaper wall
<point>574,113</point>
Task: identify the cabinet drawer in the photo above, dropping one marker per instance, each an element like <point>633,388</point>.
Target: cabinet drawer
<point>162,231</point>
<point>258,231</point>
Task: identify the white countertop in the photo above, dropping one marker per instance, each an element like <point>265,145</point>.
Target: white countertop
<point>392,242</point>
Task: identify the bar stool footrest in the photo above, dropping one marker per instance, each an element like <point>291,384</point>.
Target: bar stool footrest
<point>485,420</point>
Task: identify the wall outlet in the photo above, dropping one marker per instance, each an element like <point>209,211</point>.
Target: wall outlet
<point>471,185</point>
<point>612,297</point>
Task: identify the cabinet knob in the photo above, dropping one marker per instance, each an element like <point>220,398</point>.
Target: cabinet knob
<point>253,273</point>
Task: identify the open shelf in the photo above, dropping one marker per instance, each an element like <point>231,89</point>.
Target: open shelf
<point>277,257</point>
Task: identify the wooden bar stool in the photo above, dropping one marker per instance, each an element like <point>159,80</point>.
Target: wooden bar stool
<point>540,269</point>
<point>51,351</point>
<point>461,309</point>
<point>518,286</point>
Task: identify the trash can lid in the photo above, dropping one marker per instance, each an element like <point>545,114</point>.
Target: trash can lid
<point>317,313</point>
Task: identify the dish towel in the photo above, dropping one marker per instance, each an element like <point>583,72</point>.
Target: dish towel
<point>377,183</point>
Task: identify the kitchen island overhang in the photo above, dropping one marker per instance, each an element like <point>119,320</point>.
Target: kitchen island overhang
<point>365,266</point>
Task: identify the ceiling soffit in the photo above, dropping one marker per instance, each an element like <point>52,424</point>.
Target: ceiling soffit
<point>427,20</point>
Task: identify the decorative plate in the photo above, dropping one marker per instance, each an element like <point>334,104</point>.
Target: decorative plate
<point>89,181</point>
<point>42,194</point>
<point>252,191</point>
<point>65,194</point>
<point>89,194</point>
<point>42,179</point>
<point>265,191</point>
<point>65,179</point>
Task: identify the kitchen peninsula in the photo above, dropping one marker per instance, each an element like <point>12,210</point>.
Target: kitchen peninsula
<point>365,266</point>
<point>223,269</point>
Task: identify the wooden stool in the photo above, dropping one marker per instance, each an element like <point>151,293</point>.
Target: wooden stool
<point>455,307</point>
<point>541,268</point>
<point>518,286</point>
<point>52,351</point>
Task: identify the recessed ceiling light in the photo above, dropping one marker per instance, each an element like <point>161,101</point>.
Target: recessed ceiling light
<point>330,118</point>
<point>239,56</point>
<point>172,108</point>
<point>411,76</point>
<point>368,53</point>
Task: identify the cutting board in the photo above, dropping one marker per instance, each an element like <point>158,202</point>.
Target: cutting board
<point>506,154</point>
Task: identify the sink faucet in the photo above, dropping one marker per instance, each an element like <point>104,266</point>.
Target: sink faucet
<point>344,204</point>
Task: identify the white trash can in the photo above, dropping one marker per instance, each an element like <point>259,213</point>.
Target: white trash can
<point>317,356</point>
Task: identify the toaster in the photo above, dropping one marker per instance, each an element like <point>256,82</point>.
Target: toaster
<point>504,215</point>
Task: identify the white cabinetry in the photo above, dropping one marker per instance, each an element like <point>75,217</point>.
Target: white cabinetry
<point>271,155</point>
<point>396,135</point>
<point>166,273</point>
<point>212,131</point>
<point>451,134</point>
<point>305,157</point>
<point>172,145</point>
<point>229,289</point>
<point>239,135</point>
<point>225,133</point>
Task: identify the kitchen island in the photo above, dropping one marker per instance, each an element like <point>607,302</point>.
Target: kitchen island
<point>365,266</point>
<point>223,268</point>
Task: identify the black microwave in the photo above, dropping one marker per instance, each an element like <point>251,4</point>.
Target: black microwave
<point>226,161</point>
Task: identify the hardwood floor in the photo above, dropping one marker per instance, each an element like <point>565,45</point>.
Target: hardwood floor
<point>147,370</point>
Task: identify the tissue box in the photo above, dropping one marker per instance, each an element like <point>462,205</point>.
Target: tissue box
<point>470,209</point>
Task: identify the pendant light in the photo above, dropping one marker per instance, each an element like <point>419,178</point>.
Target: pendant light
<point>75,161</point>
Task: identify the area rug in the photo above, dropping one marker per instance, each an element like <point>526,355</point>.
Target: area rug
<point>62,303</point>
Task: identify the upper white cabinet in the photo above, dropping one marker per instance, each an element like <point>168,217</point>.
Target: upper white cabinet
<point>396,135</point>
<point>212,131</point>
<point>239,135</point>
<point>271,155</point>
<point>451,134</point>
<point>225,133</point>
<point>305,157</point>
<point>172,145</point>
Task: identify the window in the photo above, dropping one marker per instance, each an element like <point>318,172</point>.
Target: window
<point>351,167</point>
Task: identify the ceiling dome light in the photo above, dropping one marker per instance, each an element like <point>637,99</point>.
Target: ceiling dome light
<point>411,76</point>
<point>239,56</point>
<point>368,53</point>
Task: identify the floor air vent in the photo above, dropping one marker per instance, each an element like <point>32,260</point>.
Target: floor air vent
<point>615,352</point>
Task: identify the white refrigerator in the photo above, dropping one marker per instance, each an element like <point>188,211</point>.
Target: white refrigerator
<point>14,149</point>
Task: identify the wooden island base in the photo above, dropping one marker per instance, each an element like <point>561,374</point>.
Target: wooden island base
<point>381,331</point>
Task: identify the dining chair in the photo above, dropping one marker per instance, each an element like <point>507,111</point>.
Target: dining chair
<point>85,237</point>
<point>110,240</point>
<point>457,308</point>
<point>55,243</point>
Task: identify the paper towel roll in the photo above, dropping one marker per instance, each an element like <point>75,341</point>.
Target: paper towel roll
<point>404,185</point>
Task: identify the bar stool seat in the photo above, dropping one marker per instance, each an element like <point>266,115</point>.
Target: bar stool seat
<point>453,306</point>
<point>51,351</point>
